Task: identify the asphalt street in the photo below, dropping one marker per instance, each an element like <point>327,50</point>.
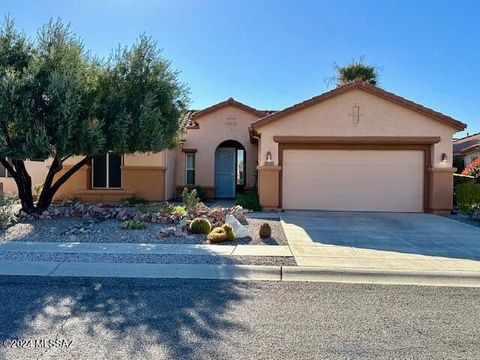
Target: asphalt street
<point>201,319</point>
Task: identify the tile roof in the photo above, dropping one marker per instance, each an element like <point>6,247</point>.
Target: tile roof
<point>466,144</point>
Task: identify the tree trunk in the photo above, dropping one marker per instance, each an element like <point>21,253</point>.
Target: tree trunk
<point>24,185</point>
<point>46,195</point>
<point>49,190</point>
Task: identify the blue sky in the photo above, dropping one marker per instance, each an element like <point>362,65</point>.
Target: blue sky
<point>272,54</point>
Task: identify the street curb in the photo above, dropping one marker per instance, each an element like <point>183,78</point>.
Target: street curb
<point>384,277</point>
<point>66,271</point>
<point>140,271</point>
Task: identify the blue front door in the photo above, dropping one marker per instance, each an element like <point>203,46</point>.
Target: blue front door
<point>225,172</point>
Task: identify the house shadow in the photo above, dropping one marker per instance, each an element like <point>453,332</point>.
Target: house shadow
<point>408,233</point>
<point>110,318</point>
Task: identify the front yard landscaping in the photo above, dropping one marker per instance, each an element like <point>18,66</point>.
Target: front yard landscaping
<point>161,223</point>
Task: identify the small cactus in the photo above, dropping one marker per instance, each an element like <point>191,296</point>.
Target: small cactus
<point>200,226</point>
<point>230,233</point>
<point>133,225</point>
<point>217,235</point>
<point>265,231</point>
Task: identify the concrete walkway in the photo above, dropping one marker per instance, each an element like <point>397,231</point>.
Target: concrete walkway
<point>382,242</point>
<point>157,249</point>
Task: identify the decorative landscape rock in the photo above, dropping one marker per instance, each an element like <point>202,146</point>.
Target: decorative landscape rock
<point>239,230</point>
<point>85,227</point>
<point>94,212</point>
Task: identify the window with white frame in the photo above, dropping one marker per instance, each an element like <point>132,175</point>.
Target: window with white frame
<point>107,171</point>
<point>190,168</point>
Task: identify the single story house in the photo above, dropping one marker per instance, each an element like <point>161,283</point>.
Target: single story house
<point>467,149</point>
<point>354,148</point>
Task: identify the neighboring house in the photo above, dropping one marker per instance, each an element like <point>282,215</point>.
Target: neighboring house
<point>467,149</point>
<point>356,147</point>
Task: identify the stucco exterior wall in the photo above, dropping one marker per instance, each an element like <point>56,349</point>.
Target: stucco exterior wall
<point>37,170</point>
<point>378,117</point>
<point>228,123</point>
<point>170,173</point>
<point>143,175</point>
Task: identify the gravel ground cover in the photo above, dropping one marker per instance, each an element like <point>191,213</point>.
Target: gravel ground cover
<point>25,256</point>
<point>108,231</point>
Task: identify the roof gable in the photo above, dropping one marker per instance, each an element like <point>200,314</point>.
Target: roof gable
<point>360,85</point>
<point>226,103</point>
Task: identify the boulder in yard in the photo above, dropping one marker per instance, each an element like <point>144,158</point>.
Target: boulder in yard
<point>240,230</point>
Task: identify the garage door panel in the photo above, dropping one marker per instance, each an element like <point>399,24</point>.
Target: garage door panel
<point>353,180</point>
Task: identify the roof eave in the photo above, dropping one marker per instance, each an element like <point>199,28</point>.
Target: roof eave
<point>358,84</point>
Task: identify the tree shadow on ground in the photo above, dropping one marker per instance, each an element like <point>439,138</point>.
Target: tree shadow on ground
<point>119,318</point>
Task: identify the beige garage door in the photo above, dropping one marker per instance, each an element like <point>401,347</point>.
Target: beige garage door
<point>353,180</point>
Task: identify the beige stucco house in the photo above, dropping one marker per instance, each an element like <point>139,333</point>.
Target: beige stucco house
<point>356,147</point>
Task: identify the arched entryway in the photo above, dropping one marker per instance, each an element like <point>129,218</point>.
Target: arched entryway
<point>230,169</point>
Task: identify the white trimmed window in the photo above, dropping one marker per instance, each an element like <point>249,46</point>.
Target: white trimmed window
<point>190,168</point>
<point>107,171</point>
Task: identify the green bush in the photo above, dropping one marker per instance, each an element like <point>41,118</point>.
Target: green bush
<point>265,231</point>
<point>135,200</point>
<point>217,235</point>
<point>190,199</point>
<point>200,226</point>
<point>230,233</point>
<point>248,200</point>
<point>459,179</point>
<point>468,199</point>
<point>133,225</point>
<point>9,208</point>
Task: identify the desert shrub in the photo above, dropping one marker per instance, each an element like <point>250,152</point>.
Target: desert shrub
<point>217,235</point>
<point>200,226</point>
<point>133,225</point>
<point>9,208</point>
<point>248,200</point>
<point>201,192</point>
<point>135,200</point>
<point>265,231</point>
<point>190,199</point>
<point>468,199</point>
<point>230,233</point>
<point>37,189</point>
<point>178,210</point>
<point>163,208</point>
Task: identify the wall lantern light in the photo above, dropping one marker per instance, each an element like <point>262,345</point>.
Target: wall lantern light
<point>444,157</point>
<point>269,159</point>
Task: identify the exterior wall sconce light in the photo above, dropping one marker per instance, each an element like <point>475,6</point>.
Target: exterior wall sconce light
<point>269,159</point>
<point>444,157</point>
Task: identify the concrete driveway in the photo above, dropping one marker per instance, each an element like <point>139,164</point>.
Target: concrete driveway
<point>391,241</point>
